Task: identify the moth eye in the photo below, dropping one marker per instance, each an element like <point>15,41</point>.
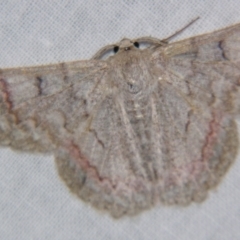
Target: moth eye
<point>115,49</point>
<point>142,44</point>
<point>136,44</point>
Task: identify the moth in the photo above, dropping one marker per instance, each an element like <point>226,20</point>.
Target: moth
<point>141,127</point>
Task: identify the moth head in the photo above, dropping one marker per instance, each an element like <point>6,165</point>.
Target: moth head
<point>127,45</point>
<point>111,50</point>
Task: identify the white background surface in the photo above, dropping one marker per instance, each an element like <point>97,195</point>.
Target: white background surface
<point>34,203</point>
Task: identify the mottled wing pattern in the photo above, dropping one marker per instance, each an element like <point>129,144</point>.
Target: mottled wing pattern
<point>141,127</point>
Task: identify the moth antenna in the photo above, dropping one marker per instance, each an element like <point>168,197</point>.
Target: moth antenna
<point>180,31</point>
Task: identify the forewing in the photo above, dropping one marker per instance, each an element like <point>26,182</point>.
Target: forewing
<point>41,106</point>
<point>207,67</point>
